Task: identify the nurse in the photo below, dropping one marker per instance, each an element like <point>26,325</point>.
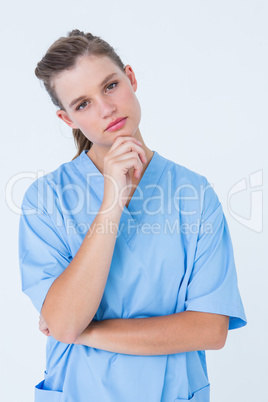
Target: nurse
<point>126,255</point>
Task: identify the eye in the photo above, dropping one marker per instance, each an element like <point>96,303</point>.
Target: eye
<point>110,85</point>
<point>82,105</point>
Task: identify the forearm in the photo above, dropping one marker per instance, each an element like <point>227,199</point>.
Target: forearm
<point>75,295</point>
<point>175,333</point>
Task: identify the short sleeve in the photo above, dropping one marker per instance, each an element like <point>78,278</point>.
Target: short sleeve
<point>43,255</point>
<point>213,284</point>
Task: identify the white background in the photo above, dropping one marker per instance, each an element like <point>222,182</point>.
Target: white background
<point>202,72</point>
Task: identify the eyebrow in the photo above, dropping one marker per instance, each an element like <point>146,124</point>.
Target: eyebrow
<point>105,81</point>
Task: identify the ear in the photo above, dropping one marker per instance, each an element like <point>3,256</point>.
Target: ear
<point>130,74</point>
<point>64,116</point>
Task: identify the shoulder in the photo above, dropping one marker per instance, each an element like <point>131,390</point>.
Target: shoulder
<point>190,187</point>
<point>182,173</point>
<point>45,189</point>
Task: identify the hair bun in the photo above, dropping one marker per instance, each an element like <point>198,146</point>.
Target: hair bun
<point>76,32</point>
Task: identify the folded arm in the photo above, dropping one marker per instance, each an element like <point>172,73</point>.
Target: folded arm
<point>175,333</point>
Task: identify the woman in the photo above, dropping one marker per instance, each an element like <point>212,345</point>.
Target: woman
<point>126,255</point>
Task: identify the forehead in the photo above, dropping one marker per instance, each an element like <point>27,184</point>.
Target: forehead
<point>84,78</point>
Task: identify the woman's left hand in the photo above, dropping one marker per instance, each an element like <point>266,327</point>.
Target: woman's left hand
<point>43,326</point>
<point>84,337</point>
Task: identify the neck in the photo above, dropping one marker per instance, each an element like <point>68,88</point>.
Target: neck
<point>97,153</point>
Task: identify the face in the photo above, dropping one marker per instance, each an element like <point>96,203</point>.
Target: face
<point>92,99</point>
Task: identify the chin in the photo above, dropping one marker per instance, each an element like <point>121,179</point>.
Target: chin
<point>123,133</point>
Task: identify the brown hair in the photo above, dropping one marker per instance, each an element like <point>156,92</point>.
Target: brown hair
<point>63,55</point>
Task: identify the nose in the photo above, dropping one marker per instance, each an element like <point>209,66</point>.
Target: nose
<point>105,107</point>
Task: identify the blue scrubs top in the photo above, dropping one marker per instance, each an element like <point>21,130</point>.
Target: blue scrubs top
<point>173,252</point>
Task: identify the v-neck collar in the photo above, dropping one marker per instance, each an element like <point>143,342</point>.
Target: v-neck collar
<point>131,214</point>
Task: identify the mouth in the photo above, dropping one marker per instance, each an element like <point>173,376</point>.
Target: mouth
<point>116,124</point>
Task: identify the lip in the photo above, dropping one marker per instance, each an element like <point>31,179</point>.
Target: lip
<point>116,124</point>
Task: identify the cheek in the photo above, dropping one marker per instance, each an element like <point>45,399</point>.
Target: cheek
<point>130,100</point>
<point>86,121</point>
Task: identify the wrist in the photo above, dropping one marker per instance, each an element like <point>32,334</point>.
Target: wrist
<point>111,209</point>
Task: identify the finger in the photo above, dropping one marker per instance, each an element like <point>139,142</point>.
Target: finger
<point>46,332</point>
<point>129,161</point>
<point>44,329</point>
<point>121,139</point>
<point>129,146</point>
<point>43,326</point>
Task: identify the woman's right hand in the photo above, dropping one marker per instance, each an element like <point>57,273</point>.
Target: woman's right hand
<point>125,153</point>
